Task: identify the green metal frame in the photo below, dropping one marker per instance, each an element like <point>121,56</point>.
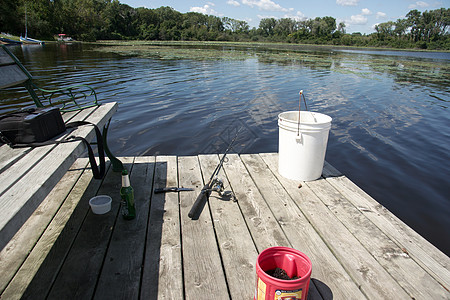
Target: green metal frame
<point>116,163</point>
<point>71,98</point>
<point>74,97</point>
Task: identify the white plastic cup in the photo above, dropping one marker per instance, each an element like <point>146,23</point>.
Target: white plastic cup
<point>100,204</point>
<point>302,147</point>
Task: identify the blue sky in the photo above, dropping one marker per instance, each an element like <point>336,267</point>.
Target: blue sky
<point>358,15</point>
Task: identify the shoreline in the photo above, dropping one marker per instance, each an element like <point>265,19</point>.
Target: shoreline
<point>219,43</point>
<point>257,44</point>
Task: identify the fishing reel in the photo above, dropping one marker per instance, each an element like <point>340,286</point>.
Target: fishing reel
<point>217,185</point>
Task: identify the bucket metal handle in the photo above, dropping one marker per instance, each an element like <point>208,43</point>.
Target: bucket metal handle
<point>299,138</point>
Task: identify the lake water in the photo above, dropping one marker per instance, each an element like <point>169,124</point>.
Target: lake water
<point>391,120</point>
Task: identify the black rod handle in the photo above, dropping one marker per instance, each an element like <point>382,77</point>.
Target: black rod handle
<point>199,203</point>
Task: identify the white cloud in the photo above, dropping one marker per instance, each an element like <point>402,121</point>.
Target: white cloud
<point>266,17</point>
<point>299,16</point>
<point>265,5</point>
<point>380,15</point>
<point>418,4</point>
<point>206,9</point>
<point>357,20</point>
<point>365,11</point>
<point>233,2</point>
<point>347,2</point>
<point>248,20</point>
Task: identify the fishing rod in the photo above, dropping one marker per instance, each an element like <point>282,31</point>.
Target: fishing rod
<point>214,184</point>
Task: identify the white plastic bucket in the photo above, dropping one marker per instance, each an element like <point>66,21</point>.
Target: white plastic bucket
<point>302,147</point>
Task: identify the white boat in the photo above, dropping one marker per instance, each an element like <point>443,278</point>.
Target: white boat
<point>26,39</point>
<point>64,38</point>
<point>5,41</point>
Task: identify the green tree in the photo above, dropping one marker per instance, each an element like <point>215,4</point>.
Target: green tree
<point>38,17</point>
<point>285,27</point>
<point>11,20</point>
<point>146,24</point>
<point>194,19</point>
<point>385,30</point>
<point>240,26</point>
<point>414,21</point>
<point>267,26</point>
<point>109,19</point>
<point>341,27</point>
<point>118,21</point>
<point>214,24</point>
<point>436,22</point>
<point>329,26</point>
<point>400,28</point>
<point>170,22</point>
<point>442,20</point>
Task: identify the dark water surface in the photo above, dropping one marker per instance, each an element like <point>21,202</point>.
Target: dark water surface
<point>391,120</point>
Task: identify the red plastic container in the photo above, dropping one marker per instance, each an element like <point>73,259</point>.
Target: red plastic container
<point>294,262</point>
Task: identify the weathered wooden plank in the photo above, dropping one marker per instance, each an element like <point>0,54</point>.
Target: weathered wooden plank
<point>5,59</point>
<point>20,200</point>
<point>237,250</point>
<point>11,75</point>
<point>125,255</point>
<point>415,280</point>
<point>423,252</point>
<point>326,268</point>
<point>22,166</point>
<point>8,156</point>
<point>265,230</point>
<point>67,116</point>
<point>78,275</point>
<point>203,273</point>
<point>262,225</point>
<point>16,251</point>
<point>88,114</point>
<point>37,273</point>
<point>330,171</point>
<point>358,262</point>
<point>64,228</point>
<point>16,171</point>
<point>163,271</point>
<point>78,252</point>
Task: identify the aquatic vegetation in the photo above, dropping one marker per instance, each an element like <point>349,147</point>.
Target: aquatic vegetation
<point>166,53</point>
<point>365,65</point>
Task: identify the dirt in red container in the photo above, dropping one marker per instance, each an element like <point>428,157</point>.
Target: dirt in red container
<point>279,273</point>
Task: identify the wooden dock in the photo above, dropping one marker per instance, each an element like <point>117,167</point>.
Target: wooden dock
<point>358,249</point>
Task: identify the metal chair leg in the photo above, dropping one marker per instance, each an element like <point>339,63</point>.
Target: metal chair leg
<point>117,164</point>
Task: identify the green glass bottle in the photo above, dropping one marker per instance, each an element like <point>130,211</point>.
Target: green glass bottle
<point>127,196</point>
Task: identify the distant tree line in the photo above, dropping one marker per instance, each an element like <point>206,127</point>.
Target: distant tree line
<point>429,28</point>
<point>90,20</point>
